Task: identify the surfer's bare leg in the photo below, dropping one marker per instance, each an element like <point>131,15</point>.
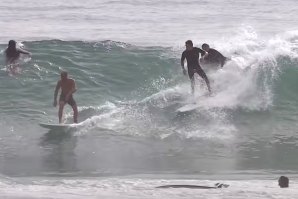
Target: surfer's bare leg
<point>75,113</point>
<point>60,112</point>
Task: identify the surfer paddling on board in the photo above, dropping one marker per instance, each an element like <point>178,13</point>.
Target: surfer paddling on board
<point>68,87</point>
<point>213,56</point>
<point>12,55</point>
<point>192,54</point>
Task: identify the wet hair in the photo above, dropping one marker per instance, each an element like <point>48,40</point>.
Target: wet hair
<point>189,42</point>
<point>205,45</point>
<point>12,44</point>
<point>11,50</point>
<point>63,74</point>
<point>283,181</point>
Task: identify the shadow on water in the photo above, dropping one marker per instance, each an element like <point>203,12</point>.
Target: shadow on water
<point>59,152</point>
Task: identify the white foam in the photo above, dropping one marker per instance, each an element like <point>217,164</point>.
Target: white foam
<point>145,188</point>
<point>246,82</point>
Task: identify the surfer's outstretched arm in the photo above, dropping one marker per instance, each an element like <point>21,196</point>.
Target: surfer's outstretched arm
<point>24,51</point>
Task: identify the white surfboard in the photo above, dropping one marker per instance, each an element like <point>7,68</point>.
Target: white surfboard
<point>57,126</point>
<point>188,108</point>
<point>195,103</point>
<point>68,127</point>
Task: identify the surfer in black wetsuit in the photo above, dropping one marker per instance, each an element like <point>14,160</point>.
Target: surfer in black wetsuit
<point>192,54</point>
<point>12,53</point>
<point>213,56</point>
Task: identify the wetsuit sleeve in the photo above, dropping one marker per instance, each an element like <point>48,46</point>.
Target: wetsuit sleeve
<point>221,59</point>
<point>217,57</point>
<point>182,59</point>
<point>199,51</point>
<point>202,52</point>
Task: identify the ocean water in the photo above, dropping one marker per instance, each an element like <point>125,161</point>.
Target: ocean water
<point>125,58</point>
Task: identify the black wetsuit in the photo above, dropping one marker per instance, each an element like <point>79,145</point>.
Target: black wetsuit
<point>12,55</point>
<point>193,66</point>
<point>215,57</point>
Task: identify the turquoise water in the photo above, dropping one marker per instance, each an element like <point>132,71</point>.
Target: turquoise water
<point>130,85</point>
<point>135,91</point>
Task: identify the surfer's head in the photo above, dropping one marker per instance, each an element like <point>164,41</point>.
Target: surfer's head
<point>188,45</point>
<point>283,181</point>
<point>205,47</point>
<point>63,75</point>
<point>12,44</point>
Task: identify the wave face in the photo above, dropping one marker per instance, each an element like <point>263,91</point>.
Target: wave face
<point>128,96</point>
